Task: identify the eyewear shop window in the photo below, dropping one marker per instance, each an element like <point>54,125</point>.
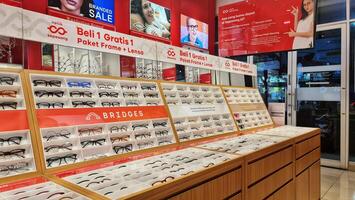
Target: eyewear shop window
<point>82,61</point>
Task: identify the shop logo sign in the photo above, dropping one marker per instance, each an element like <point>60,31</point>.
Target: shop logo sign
<point>57,31</point>
<point>92,116</point>
<point>228,64</point>
<point>171,54</point>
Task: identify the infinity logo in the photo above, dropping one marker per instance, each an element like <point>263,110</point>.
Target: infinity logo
<point>60,30</point>
<point>92,116</point>
<point>228,64</point>
<point>171,52</point>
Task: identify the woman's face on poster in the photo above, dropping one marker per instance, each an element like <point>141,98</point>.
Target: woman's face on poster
<point>148,11</point>
<point>72,5</point>
<point>308,5</point>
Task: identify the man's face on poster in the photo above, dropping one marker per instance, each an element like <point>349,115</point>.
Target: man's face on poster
<point>192,28</point>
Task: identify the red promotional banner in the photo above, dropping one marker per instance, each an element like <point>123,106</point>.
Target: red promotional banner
<point>169,74</point>
<point>81,116</point>
<point>12,120</point>
<point>258,26</point>
<point>206,78</point>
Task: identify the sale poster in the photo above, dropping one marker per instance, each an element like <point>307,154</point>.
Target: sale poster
<point>257,26</point>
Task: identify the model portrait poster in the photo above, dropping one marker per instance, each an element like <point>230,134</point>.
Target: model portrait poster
<point>99,10</point>
<point>258,26</point>
<point>194,32</point>
<point>150,18</point>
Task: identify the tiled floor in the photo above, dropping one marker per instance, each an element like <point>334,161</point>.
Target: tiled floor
<point>337,184</point>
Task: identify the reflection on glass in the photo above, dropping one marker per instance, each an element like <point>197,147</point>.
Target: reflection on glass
<point>331,11</point>
<point>10,51</point>
<point>272,76</point>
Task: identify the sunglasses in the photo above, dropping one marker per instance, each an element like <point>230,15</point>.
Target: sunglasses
<point>7,80</point>
<point>51,83</point>
<point>63,134</point>
<point>59,160</point>
<point>80,94</point>
<point>11,141</point>
<point>123,149</point>
<point>108,94</point>
<point>84,103</point>
<point>8,105</point>
<point>90,131</point>
<point>16,153</point>
<point>84,84</point>
<point>8,93</point>
<point>50,105</point>
<point>57,148</point>
<point>41,93</point>
<point>111,104</point>
<point>92,142</point>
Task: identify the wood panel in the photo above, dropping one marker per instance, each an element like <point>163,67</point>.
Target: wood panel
<point>307,160</point>
<point>236,197</point>
<point>314,181</point>
<point>302,186</point>
<point>287,192</point>
<point>219,188</point>
<point>306,146</point>
<point>270,184</point>
<point>264,167</point>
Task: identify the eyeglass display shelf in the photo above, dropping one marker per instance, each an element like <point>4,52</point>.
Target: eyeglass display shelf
<point>37,188</point>
<point>126,179</point>
<point>16,151</point>
<point>248,107</point>
<point>198,111</point>
<point>66,143</point>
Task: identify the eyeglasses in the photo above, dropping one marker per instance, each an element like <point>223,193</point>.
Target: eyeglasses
<point>51,83</point>
<point>17,153</point>
<point>111,104</point>
<point>41,93</point>
<point>150,104</point>
<point>8,93</point>
<point>108,94</point>
<point>153,87</point>
<point>57,148</point>
<point>84,84</point>
<point>11,141</point>
<point>130,95</point>
<point>18,167</point>
<point>164,142</point>
<point>151,95</point>
<point>7,80</point>
<point>93,142</point>
<point>131,103</point>
<point>198,102</point>
<point>161,133</point>
<point>90,131</point>
<point>84,103</point>
<point>169,178</point>
<point>105,86</point>
<point>162,124</point>
<point>116,129</point>
<point>50,105</point>
<point>128,87</point>
<point>68,159</point>
<point>145,144</point>
<point>123,149</point>
<point>184,95</point>
<point>8,105</point>
<point>120,139</point>
<point>142,136</point>
<point>80,94</point>
<point>59,193</point>
<point>140,126</point>
<point>64,134</point>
